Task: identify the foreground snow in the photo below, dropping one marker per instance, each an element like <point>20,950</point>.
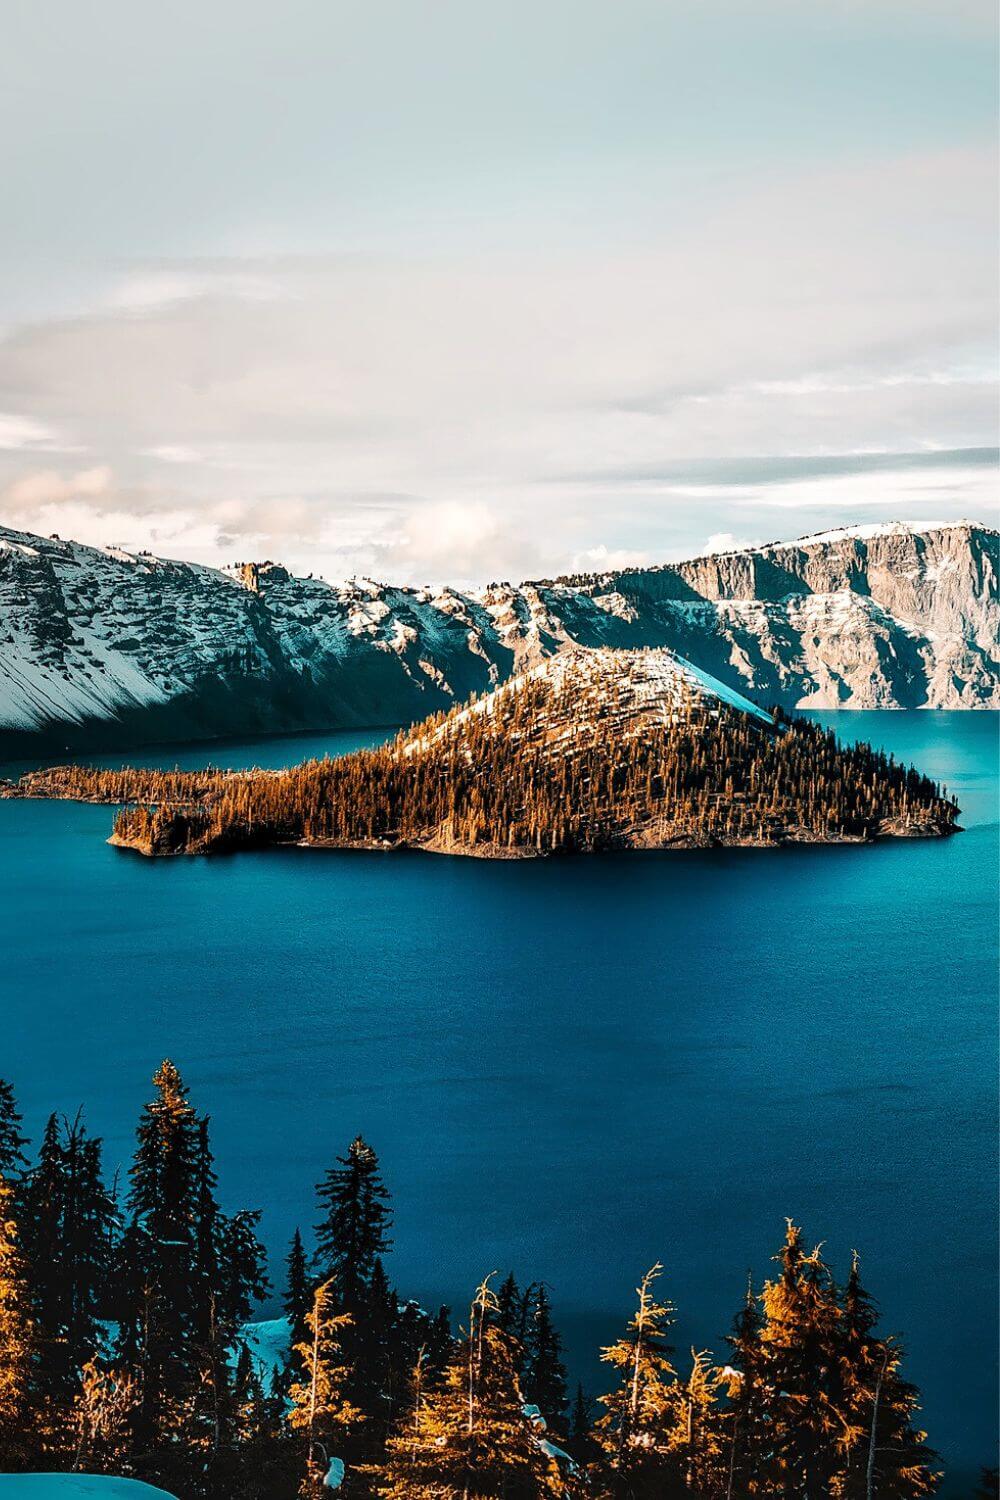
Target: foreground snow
<point>76,1487</point>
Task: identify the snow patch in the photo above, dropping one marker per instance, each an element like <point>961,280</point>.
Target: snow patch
<point>76,1487</point>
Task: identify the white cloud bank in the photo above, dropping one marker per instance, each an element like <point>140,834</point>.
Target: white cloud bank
<point>503,412</point>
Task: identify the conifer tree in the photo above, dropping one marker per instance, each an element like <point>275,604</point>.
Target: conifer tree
<point>471,1437</point>
<point>67,1218</point>
<point>886,1455</point>
<point>544,1379</point>
<point>15,1337</point>
<point>439,1347</point>
<point>800,1344</point>
<point>581,1442</point>
<point>353,1231</point>
<point>635,1430</point>
<point>513,1316</point>
<point>320,1411</point>
<point>188,1278</point>
<point>351,1238</point>
<point>12,1142</point>
<point>746,1436</point>
<point>297,1300</point>
<point>165,1281</point>
<point>698,1438</point>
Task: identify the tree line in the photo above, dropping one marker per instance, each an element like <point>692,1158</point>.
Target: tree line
<point>543,767</point>
<point>127,1346</point>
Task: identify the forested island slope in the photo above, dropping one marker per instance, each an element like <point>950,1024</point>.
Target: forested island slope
<point>592,750</point>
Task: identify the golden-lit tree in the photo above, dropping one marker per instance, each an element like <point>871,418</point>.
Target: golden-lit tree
<point>471,1438</point>
<point>15,1336</point>
<point>318,1409</point>
<point>639,1427</point>
<point>101,1418</point>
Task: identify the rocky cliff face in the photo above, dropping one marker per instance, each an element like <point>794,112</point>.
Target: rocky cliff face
<point>105,647</point>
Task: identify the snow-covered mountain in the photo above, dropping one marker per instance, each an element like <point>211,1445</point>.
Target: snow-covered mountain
<point>107,647</point>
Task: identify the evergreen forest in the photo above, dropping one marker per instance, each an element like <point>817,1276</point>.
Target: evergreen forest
<point>129,1346</point>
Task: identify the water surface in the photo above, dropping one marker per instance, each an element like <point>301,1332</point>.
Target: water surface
<point>570,1068</point>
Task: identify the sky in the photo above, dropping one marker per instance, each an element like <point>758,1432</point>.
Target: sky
<point>463,291</point>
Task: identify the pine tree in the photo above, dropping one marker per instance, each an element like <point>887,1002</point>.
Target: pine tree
<point>188,1278</point>
<point>351,1238</point>
<point>581,1442</point>
<point>15,1338</point>
<point>886,1455</point>
<point>544,1379</point>
<point>513,1317</point>
<point>747,1434</point>
<point>353,1232</point>
<point>67,1218</point>
<point>471,1437</point>
<point>635,1429</point>
<point>164,1279</point>
<point>373,1346</point>
<point>297,1300</point>
<point>698,1438</point>
<point>800,1342</point>
<point>12,1142</point>
<point>319,1409</point>
<point>439,1348</point>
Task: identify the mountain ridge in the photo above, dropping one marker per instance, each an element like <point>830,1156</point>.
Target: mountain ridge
<point>105,647</point>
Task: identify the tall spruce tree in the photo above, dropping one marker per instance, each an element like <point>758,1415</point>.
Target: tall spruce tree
<point>544,1378</point>
<point>513,1317</point>
<point>354,1229</point>
<point>68,1220</point>
<point>12,1142</point>
<point>297,1300</point>
<point>189,1276</point>
<point>351,1238</point>
<point>581,1442</point>
<point>164,1309</point>
<point>439,1346</point>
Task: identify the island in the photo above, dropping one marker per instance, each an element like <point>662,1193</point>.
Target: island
<point>593,750</point>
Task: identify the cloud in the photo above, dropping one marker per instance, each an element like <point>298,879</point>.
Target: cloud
<point>24,433</point>
<point>483,415</point>
<point>454,542</point>
<point>39,491</point>
<point>723,541</point>
<point>607,559</point>
<point>149,291</point>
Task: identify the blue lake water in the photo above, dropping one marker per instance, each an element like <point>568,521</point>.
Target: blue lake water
<point>569,1068</point>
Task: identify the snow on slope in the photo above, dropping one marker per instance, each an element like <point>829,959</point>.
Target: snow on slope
<point>76,1487</point>
<point>629,689</point>
<point>269,1343</point>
